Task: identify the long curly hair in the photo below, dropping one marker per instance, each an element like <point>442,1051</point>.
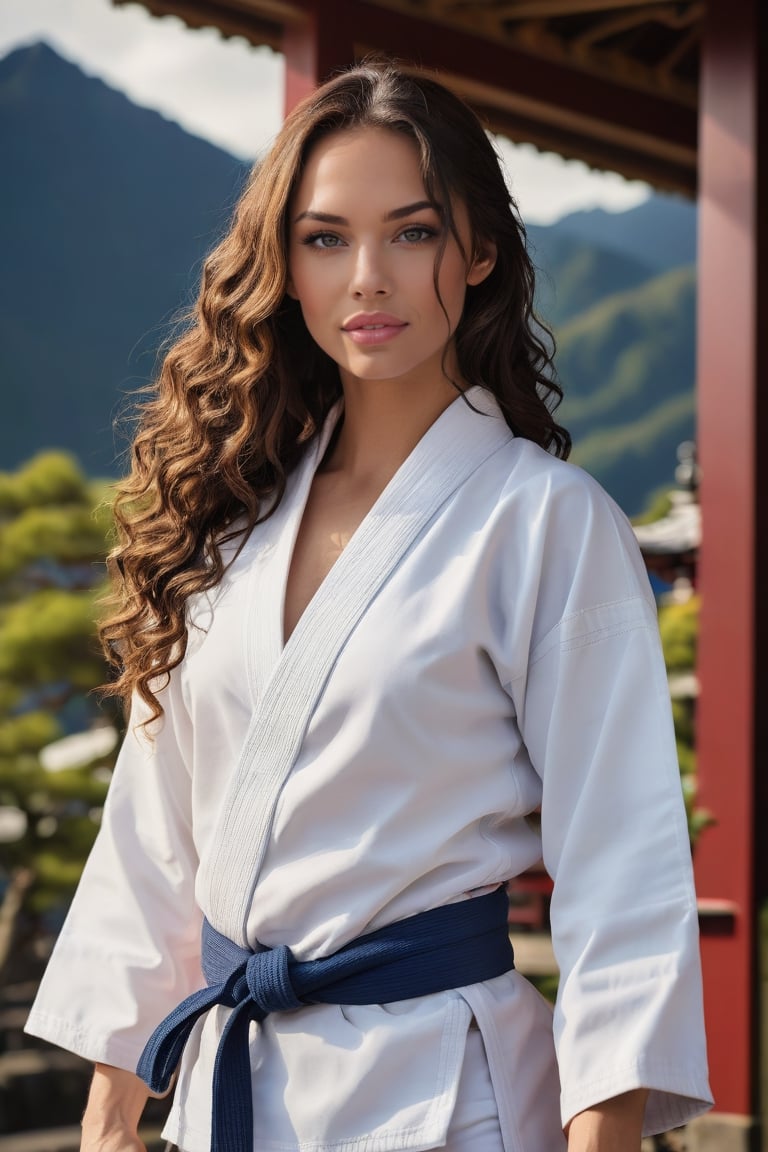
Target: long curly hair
<point>245,387</point>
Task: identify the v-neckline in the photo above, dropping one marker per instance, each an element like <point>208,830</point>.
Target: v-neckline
<point>312,465</point>
<point>265,637</point>
<point>321,447</point>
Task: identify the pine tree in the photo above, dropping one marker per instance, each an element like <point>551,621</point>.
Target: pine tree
<point>54,529</point>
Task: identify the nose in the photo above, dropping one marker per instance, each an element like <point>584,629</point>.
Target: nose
<point>370,275</point>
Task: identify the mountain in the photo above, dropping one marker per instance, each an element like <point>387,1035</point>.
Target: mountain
<point>108,210</point>
<point>660,232</point>
<point>573,274</point>
<point>627,367</point>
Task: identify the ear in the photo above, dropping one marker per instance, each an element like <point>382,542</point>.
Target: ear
<point>290,290</point>
<point>483,262</point>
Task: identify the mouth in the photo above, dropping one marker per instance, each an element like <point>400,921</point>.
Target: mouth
<point>372,322</point>
<point>374,328</point>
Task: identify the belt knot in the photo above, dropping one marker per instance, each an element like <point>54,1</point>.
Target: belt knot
<point>267,981</point>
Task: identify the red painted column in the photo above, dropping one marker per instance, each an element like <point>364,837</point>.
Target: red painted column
<point>730,426</point>
<point>315,45</point>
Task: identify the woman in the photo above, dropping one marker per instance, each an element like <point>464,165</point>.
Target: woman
<point>370,621</point>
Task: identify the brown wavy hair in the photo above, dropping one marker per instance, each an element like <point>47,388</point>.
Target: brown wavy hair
<point>245,387</point>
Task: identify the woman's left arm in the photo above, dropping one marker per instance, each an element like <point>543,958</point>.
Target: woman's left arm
<point>613,1126</point>
<point>592,706</point>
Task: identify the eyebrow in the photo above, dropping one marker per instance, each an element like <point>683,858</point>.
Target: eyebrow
<point>395,214</point>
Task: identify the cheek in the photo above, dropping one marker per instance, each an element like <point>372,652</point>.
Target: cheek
<point>314,283</point>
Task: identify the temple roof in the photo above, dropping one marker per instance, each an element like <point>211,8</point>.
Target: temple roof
<point>612,82</point>
<point>676,534</point>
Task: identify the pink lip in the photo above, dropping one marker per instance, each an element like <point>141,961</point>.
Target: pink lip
<point>359,327</point>
<point>361,319</point>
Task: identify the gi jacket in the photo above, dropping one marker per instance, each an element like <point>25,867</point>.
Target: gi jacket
<point>486,644</point>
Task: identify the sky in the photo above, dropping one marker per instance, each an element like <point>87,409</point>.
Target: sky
<point>231,93</point>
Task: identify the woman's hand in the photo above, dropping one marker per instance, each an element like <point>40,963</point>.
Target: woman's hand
<point>111,1118</point>
<point>614,1126</point>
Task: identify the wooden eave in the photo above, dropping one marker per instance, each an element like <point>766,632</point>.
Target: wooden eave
<point>611,82</point>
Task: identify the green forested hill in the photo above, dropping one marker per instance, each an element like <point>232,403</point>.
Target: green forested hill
<point>627,367</point>
<point>108,210</point>
<point>629,351</point>
<point>574,274</point>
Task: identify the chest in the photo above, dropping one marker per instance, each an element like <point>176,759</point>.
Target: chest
<point>333,513</point>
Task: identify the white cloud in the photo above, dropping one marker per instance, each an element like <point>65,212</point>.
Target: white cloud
<point>546,186</point>
<point>231,93</point>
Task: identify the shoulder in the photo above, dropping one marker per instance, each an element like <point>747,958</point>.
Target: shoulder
<point>560,493</point>
<point>523,469</point>
<point>563,537</point>
<point>531,464</point>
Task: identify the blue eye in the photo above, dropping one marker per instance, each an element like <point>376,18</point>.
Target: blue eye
<point>323,240</point>
<point>417,234</point>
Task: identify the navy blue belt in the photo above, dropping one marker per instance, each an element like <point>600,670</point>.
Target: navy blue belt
<point>443,948</point>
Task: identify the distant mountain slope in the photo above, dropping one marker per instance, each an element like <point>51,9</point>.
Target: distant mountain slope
<point>660,232</point>
<point>627,367</point>
<point>634,460</point>
<point>573,274</point>
<point>107,212</point>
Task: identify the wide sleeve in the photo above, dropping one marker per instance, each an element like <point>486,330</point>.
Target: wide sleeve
<point>594,712</point>
<point>129,949</point>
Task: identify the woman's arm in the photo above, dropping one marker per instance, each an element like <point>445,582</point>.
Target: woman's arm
<point>115,1104</point>
<point>613,1126</point>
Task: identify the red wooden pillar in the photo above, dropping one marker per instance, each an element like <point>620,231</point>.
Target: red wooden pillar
<point>731,725</point>
<point>315,45</point>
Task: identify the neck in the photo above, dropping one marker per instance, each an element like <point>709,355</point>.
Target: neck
<point>383,423</point>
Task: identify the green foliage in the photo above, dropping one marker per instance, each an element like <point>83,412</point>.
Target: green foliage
<point>48,637</point>
<point>48,478</point>
<point>679,627</point>
<point>27,732</point>
<point>52,547</point>
<point>682,715</point>
<point>546,985</point>
<point>67,533</point>
<point>53,536</point>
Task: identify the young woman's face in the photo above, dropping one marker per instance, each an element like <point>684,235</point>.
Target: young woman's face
<point>363,240</point>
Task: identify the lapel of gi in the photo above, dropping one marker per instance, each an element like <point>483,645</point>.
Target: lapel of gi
<point>458,442</point>
<point>266,591</point>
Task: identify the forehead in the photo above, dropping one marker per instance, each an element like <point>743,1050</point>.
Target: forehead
<point>359,166</point>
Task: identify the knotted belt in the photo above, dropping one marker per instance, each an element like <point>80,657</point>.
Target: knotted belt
<point>443,948</point>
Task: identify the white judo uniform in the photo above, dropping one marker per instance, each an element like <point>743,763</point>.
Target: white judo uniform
<point>486,644</point>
